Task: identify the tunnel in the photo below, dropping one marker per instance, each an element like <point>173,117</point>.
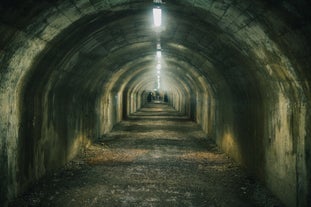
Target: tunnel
<point>71,70</point>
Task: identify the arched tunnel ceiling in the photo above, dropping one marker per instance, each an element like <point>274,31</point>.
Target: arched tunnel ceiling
<point>239,51</point>
<point>97,46</point>
<point>214,42</point>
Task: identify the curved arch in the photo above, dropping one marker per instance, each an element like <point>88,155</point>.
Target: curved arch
<point>59,66</point>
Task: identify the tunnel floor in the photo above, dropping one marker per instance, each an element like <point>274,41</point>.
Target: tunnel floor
<point>157,157</point>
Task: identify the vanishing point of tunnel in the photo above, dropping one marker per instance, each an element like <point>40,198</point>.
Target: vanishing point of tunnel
<point>155,103</point>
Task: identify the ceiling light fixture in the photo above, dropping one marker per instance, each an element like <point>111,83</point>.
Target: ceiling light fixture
<point>158,46</point>
<point>158,66</point>
<point>157,16</point>
<point>159,54</point>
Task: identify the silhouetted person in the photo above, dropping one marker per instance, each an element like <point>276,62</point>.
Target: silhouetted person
<point>149,97</point>
<point>165,98</point>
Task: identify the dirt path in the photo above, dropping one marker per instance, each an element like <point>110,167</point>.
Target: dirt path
<point>156,158</point>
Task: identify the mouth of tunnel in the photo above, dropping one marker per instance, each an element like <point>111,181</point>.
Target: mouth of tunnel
<point>234,76</point>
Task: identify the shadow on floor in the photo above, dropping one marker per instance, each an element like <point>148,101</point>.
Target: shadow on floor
<point>155,161</point>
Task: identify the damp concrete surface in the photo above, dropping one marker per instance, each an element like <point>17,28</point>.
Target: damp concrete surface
<point>157,157</point>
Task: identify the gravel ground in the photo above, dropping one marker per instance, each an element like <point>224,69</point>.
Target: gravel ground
<point>155,158</point>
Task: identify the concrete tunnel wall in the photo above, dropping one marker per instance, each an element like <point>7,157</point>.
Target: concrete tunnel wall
<point>239,68</point>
